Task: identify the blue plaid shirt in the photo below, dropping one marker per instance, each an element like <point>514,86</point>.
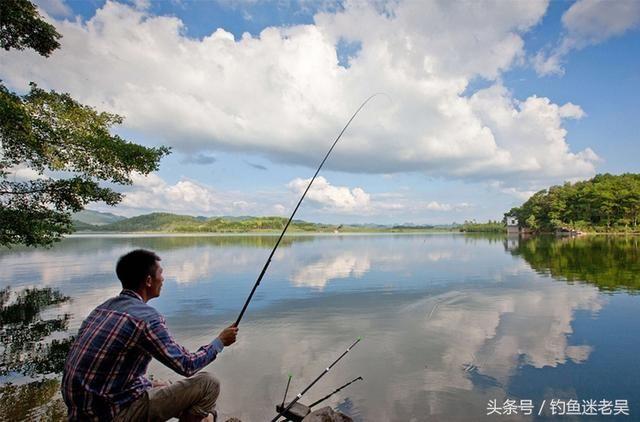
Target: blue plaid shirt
<point>105,369</point>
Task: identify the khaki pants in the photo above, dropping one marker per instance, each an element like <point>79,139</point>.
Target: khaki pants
<point>196,395</point>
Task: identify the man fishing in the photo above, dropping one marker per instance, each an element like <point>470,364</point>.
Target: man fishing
<point>104,374</point>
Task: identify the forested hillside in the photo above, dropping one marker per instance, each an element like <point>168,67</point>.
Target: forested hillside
<point>165,222</point>
<point>173,223</point>
<point>606,203</point>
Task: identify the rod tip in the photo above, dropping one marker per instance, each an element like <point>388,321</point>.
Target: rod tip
<point>290,376</point>
<point>359,338</point>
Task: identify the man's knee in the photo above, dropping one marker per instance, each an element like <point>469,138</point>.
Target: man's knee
<point>210,384</point>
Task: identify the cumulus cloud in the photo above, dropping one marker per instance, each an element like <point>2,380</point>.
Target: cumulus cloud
<point>438,206</point>
<point>347,200</point>
<point>185,196</point>
<point>23,173</point>
<point>588,22</point>
<point>57,8</point>
<point>337,198</point>
<point>225,93</point>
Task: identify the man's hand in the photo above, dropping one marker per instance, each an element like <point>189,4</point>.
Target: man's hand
<point>228,335</point>
<point>159,383</point>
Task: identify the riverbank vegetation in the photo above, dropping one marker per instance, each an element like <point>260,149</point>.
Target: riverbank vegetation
<point>488,227</point>
<point>606,203</point>
<point>174,223</point>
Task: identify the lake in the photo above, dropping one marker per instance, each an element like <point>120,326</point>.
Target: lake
<point>454,326</point>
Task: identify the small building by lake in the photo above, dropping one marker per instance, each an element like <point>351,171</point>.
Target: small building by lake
<point>512,225</point>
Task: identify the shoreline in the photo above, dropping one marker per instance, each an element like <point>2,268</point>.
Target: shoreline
<point>220,234</point>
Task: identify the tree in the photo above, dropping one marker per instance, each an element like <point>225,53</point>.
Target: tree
<point>22,27</point>
<point>605,203</point>
<point>51,134</point>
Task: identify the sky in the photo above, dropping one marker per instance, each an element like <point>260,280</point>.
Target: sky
<point>482,103</point>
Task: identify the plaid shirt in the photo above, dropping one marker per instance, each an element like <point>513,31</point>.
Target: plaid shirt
<point>105,368</point>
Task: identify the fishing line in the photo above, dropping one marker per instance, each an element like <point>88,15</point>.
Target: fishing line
<point>266,265</point>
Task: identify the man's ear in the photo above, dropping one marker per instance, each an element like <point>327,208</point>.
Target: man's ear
<point>147,281</point>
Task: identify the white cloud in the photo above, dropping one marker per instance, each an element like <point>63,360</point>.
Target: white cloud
<point>533,134</point>
<point>221,93</point>
<point>593,21</point>
<point>185,196</point>
<point>57,8</point>
<point>336,198</point>
<point>588,22</point>
<point>438,206</point>
<point>23,173</point>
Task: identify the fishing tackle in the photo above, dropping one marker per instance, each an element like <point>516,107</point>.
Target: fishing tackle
<point>264,269</point>
<point>282,410</point>
<point>299,411</point>
<point>317,402</point>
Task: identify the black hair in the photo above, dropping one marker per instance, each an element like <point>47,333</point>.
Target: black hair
<point>134,267</point>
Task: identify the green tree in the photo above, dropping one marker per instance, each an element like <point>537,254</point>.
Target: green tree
<point>22,27</point>
<point>67,145</point>
<point>605,203</point>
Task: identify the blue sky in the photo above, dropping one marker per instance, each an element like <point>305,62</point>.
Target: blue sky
<point>486,102</point>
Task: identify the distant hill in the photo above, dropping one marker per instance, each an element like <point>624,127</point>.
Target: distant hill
<point>166,222</point>
<point>174,223</point>
<point>96,218</point>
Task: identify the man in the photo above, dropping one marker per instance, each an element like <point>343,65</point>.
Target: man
<point>104,374</point>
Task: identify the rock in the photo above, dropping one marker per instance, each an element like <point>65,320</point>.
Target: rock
<point>326,414</point>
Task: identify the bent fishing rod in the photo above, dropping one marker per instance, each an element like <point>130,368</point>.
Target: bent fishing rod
<point>299,396</point>
<point>266,265</point>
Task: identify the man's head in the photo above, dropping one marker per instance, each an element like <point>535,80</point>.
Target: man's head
<point>140,270</point>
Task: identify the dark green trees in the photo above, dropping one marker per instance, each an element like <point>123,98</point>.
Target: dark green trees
<point>605,203</point>
<point>21,27</point>
<point>65,147</point>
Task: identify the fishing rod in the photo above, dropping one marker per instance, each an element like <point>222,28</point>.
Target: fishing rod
<point>286,390</point>
<point>299,411</point>
<point>334,392</point>
<point>299,396</point>
<point>266,265</point>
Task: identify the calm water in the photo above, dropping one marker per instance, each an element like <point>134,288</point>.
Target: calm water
<point>449,322</point>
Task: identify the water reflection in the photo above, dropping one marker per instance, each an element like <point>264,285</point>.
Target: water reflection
<point>342,265</point>
<point>414,361</point>
<point>610,263</point>
<point>32,347</point>
<point>38,400</point>
<point>449,321</point>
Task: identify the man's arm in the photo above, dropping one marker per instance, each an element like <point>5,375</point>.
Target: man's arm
<point>161,345</point>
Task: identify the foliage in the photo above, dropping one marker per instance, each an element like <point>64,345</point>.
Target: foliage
<point>488,227</point>
<point>610,262</point>
<point>22,27</point>
<point>167,222</point>
<point>96,218</point>
<point>172,223</point>
<point>51,133</point>
<point>23,331</point>
<point>605,203</point>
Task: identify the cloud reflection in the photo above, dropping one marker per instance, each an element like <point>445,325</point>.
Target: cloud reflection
<point>460,322</point>
<point>319,273</point>
<point>413,365</point>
